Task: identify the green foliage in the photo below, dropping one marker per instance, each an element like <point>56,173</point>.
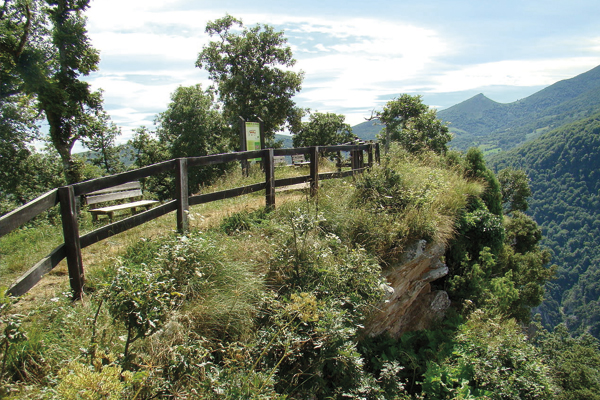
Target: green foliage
<point>149,150</point>
<point>11,332</point>
<point>103,143</point>
<point>251,72</point>
<point>563,166</point>
<point>412,353</point>
<point>17,129</point>
<point>475,168</point>
<point>46,51</point>
<point>409,122</point>
<point>574,362</point>
<point>497,262</point>
<point>244,220</point>
<point>323,129</point>
<point>327,290</point>
<point>193,126</point>
<point>273,304</point>
<point>515,189</point>
<point>100,381</point>
<point>491,359</point>
<point>140,299</point>
<point>408,197</point>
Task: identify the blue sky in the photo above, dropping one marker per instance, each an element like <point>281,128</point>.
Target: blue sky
<point>356,55</point>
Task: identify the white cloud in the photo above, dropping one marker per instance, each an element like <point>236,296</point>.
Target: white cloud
<point>351,64</point>
<point>512,73</point>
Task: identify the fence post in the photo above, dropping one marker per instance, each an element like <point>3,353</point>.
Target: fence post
<point>354,160</point>
<point>314,171</point>
<point>370,156</point>
<point>361,158</point>
<point>269,163</point>
<point>183,205</point>
<point>68,212</point>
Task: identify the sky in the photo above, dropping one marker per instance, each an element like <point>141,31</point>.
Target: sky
<point>355,55</point>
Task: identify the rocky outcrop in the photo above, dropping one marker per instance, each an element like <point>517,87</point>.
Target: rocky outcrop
<point>410,304</point>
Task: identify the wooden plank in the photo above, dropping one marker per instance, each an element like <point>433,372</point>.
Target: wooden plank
<point>292,181</point>
<point>291,152</point>
<point>105,197</point>
<point>118,207</point>
<point>226,194</point>
<point>344,147</point>
<point>224,158</point>
<point>27,212</point>
<point>126,224</point>
<point>124,177</point>
<point>30,278</point>
<point>126,186</point>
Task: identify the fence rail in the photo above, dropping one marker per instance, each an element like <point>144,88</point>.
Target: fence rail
<point>66,198</point>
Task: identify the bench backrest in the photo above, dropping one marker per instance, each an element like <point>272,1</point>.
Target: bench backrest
<point>298,158</point>
<point>279,160</point>
<point>125,191</point>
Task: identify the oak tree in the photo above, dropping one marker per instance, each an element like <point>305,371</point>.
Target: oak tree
<point>45,50</point>
<point>250,68</point>
<point>411,123</point>
<point>323,129</point>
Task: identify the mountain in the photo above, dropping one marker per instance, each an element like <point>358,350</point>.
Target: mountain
<point>367,130</point>
<point>564,168</point>
<point>493,126</point>
<point>286,140</point>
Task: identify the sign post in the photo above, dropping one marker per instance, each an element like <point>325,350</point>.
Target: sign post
<point>251,138</point>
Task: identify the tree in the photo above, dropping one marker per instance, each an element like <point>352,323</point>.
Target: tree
<point>426,132</point>
<point>574,362</point>
<point>515,189</point>
<point>17,129</point>
<point>491,359</point>
<point>250,71</point>
<point>408,121</point>
<point>45,50</point>
<point>192,126</point>
<point>103,143</point>
<point>323,129</point>
<point>475,168</point>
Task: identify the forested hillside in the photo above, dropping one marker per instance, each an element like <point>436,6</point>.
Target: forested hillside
<point>564,168</point>
<point>481,122</point>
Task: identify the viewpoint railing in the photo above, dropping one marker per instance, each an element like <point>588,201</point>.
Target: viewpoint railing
<point>66,197</point>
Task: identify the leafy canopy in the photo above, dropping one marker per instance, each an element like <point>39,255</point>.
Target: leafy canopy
<point>44,52</point>
<point>251,72</point>
<point>323,129</point>
<point>411,123</point>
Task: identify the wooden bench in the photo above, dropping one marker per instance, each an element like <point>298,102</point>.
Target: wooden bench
<point>130,190</point>
<point>280,161</point>
<point>299,160</point>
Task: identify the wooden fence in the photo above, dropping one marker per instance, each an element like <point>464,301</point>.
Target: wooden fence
<point>66,197</point>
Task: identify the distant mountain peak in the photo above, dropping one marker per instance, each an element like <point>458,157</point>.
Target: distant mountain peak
<point>480,121</point>
<point>475,107</point>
